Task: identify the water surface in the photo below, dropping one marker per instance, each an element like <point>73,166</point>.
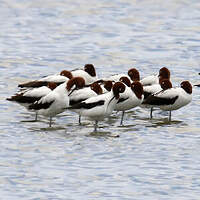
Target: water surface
<point>151,159</point>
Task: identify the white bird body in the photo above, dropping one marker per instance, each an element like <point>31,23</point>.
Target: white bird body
<point>172,98</point>
<point>58,100</point>
<point>150,80</point>
<point>164,73</point>
<point>29,96</point>
<point>116,77</point>
<point>88,73</point>
<point>98,107</point>
<point>101,106</point>
<point>26,97</point>
<point>37,92</point>
<point>64,76</point>
<point>54,78</point>
<point>53,103</point>
<point>87,77</point>
<point>80,95</point>
<point>131,97</point>
<point>128,100</point>
<point>182,98</point>
<point>150,90</point>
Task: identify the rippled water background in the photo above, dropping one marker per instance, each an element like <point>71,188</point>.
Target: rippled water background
<point>152,159</point>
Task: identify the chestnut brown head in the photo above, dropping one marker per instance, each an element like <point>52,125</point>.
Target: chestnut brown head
<point>89,68</point>
<point>125,80</point>
<point>164,73</point>
<point>52,85</point>
<point>137,88</point>
<point>161,78</point>
<point>96,88</point>
<point>118,87</point>
<point>187,86</point>
<point>66,73</point>
<point>108,85</point>
<point>134,74</point>
<point>79,83</point>
<point>165,84</point>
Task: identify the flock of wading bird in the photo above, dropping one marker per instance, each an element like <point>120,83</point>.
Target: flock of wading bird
<point>81,91</point>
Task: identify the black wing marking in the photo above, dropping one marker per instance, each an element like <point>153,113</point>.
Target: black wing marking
<point>146,94</point>
<point>23,99</point>
<point>38,106</point>
<point>154,100</point>
<point>122,100</point>
<point>76,69</point>
<point>36,84</point>
<point>73,102</point>
<point>87,105</point>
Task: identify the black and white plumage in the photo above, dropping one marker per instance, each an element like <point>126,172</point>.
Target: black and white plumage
<point>56,78</point>
<point>88,73</point>
<point>132,74</point>
<point>172,98</point>
<point>106,85</point>
<point>154,89</point>
<point>98,107</point>
<point>131,97</point>
<point>53,103</point>
<point>81,94</point>
<point>28,96</point>
<point>164,73</point>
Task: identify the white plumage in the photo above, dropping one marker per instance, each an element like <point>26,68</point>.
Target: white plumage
<point>53,103</point>
<point>172,98</point>
<point>98,107</point>
<point>56,78</point>
<point>164,73</point>
<point>131,97</point>
<point>88,73</point>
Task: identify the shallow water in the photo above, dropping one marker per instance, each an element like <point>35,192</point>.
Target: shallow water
<point>151,159</point>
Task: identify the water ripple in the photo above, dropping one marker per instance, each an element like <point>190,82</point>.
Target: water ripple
<point>144,159</point>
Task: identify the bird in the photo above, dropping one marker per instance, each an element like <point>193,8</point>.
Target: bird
<point>28,96</point>
<point>131,97</point>
<point>164,73</point>
<point>133,74</point>
<point>81,94</point>
<point>88,73</point>
<point>56,101</point>
<point>153,89</point>
<point>98,107</point>
<point>106,85</point>
<point>56,78</point>
<point>172,98</point>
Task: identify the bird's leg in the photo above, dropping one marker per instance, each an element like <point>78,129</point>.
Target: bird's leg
<point>121,123</point>
<point>170,115</point>
<point>36,116</point>
<point>79,119</point>
<point>151,113</point>
<point>50,120</point>
<point>95,126</point>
